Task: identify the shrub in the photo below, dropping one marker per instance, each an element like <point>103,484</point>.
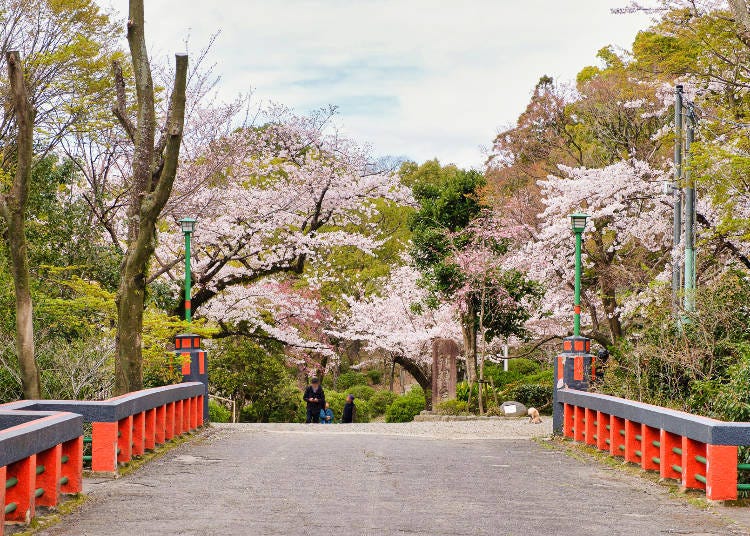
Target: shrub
<point>363,411</point>
<point>375,376</point>
<point>361,392</point>
<point>452,407</point>
<point>283,404</point>
<point>218,413</point>
<point>533,395</point>
<point>462,391</point>
<point>519,369</point>
<point>523,366</point>
<point>350,379</point>
<point>380,401</point>
<point>405,407</point>
<point>494,411</point>
<point>336,401</point>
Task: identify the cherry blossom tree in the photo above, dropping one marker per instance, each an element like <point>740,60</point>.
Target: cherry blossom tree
<point>270,199</point>
<point>627,242</point>
<point>396,322</point>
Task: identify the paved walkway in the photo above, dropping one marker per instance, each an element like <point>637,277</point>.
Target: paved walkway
<point>461,479</point>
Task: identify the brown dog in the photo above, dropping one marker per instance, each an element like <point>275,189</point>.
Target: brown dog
<point>534,416</point>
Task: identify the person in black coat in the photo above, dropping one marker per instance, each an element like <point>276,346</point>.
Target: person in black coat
<point>350,410</point>
<point>316,400</point>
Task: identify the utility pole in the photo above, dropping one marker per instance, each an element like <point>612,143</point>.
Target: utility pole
<point>689,299</point>
<point>677,213</point>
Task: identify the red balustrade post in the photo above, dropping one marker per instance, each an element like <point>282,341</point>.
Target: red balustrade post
<point>201,416</point>
<point>602,434</point>
<point>139,434</point>
<point>580,427</point>
<point>72,468</point>
<point>591,418</point>
<point>178,419</point>
<point>721,472</point>
<point>650,451</point>
<point>104,443</point>
<point>616,438</point>
<point>568,420</point>
<point>22,494</point>
<point>670,458</point>
<point>171,419</point>
<point>633,445</point>
<point>49,463</point>
<point>161,425</point>
<point>194,413</point>
<point>186,405</point>
<point>690,465</point>
<point>149,441</point>
<point>125,439</point>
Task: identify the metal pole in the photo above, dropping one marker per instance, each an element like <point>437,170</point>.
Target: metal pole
<point>188,315</point>
<point>677,213</point>
<point>577,301</point>
<point>689,299</point>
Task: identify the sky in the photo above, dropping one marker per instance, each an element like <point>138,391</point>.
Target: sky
<point>418,79</point>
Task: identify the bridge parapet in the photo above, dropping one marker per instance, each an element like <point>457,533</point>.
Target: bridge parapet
<point>700,452</point>
<point>42,441</point>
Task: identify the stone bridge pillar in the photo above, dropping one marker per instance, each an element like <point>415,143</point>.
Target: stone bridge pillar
<point>573,370</point>
<point>194,363</point>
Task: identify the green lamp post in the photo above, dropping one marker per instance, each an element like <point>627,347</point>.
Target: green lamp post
<point>578,223</point>
<point>188,226</point>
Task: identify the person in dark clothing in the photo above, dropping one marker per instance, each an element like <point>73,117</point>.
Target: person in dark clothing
<point>316,400</point>
<point>350,410</point>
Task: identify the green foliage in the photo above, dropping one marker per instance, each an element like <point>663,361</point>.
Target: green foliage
<point>406,406</point>
<point>380,401</point>
<point>279,403</point>
<point>350,273</point>
<point>350,379</point>
<point>361,392</point>
<point>256,377</point>
<point>517,369</point>
<point>375,376</point>
<point>535,395</point>
<point>697,368</point>
<point>218,413</point>
<point>452,407</point>
<point>462,391</point>
<point>448,201</point>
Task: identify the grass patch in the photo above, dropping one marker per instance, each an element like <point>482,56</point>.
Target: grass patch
<point>70,505</point>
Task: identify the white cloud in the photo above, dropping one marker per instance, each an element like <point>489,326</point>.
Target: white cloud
<point>421,78</point>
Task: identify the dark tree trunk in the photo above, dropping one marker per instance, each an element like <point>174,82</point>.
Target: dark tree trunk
<point>13,207</point>
<point>154,171</point>
<point>423,377</point>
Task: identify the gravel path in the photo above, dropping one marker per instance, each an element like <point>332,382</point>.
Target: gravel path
<point>429,479</point>
<point>491,429</point>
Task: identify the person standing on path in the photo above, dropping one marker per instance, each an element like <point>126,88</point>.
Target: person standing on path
<point>350,410</point>
<point>316,400</point>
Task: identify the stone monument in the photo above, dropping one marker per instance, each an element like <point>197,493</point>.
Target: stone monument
<point>444,353</point>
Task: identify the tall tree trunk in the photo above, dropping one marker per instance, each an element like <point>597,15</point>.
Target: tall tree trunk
<point>154,170</point>
<point>469,332</point>
<point>13,208</point>
<point>424,378</point>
